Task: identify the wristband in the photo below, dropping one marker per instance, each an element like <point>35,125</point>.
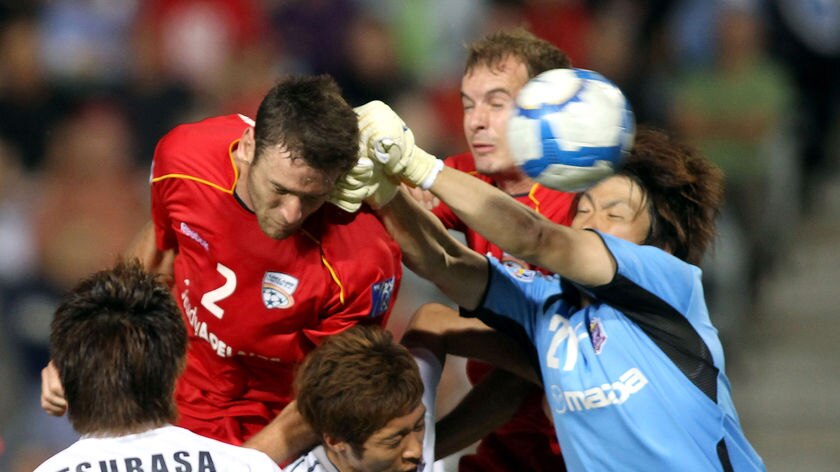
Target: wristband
<point>433,173</point>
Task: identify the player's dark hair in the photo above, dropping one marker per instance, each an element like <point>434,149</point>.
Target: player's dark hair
<point>537,54</point>
<point>683,191</point>
<point>355,383</point>
<point>308,116</point>
<point>118,342</point>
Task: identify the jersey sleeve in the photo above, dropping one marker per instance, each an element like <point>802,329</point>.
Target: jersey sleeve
<point>517,295</point>
<point>655,271</point>
<point>365,264</point>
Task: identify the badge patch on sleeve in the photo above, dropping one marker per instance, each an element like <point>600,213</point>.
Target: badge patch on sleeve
<point>519,272</point>
<point>381,297</point>
<point>277,290</point>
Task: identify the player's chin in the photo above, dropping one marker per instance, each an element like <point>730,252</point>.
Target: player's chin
<point>494,164</point>
<point>276,231</point>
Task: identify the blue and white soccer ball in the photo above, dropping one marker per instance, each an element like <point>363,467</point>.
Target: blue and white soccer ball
<point>570,129</point>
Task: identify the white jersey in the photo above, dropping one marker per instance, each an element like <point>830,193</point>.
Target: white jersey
<point>167,448</point>
<point>313,461</point>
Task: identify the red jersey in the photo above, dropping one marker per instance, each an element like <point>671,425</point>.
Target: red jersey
<point>254,305</point>
<point>528,440</point>
<point>555,205</point>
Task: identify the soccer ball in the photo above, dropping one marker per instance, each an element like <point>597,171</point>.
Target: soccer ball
<point>570,129</point>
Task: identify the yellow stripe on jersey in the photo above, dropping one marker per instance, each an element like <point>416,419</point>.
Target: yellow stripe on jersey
<point>228,191</point>
<point>335,278</point>
<point>329,267</point>
<point>532,196</point>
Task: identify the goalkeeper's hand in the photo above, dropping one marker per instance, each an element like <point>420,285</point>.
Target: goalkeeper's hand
<point>365,182</point>
<point>388,140</point>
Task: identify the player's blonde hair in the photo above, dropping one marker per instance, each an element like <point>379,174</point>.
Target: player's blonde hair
<point>537,54</point>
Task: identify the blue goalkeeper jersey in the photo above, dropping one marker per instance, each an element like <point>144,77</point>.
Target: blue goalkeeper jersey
<point>635,380</point>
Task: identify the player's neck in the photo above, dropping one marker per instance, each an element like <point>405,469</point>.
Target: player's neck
<point>117,431</point>
<point>336,459</point>
<point>241,189</point>
<point>513,182</point>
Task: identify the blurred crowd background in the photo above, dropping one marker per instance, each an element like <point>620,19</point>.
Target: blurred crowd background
<point>87,87</point>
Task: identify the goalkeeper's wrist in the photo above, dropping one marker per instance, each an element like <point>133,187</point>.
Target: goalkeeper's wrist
<point>430,178</point>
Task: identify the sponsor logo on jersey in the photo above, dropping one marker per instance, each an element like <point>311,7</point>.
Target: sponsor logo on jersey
<point>381,297</point>
<point>601,396</point>
<point>597,334</point>
<point>192,234</point>
<point>277,290</point>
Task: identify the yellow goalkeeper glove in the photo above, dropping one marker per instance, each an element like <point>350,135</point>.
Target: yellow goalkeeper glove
<point>388,140</point>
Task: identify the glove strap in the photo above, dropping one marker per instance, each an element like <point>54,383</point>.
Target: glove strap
<point>433,173</point>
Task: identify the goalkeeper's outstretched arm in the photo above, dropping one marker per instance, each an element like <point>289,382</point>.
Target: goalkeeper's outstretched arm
<point>431,252</point>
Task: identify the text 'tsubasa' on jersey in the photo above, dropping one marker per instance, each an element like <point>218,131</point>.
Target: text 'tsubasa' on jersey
<point>165,448</point>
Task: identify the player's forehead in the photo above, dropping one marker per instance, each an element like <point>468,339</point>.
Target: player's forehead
<point>615,189</point>
<point>399,426</point>
<point>281,168</point>
<point>509,73</point>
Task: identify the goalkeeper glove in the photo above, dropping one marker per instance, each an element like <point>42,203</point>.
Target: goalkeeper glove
<point>366,182</point>
<point>388,140</point>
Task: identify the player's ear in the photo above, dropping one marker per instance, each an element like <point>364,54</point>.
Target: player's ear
<point>247,145</point>
<point>335,444</point>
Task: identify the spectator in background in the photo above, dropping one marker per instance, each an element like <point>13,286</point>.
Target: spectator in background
<point>729,110</point>
<point>16,238</point>
<point>369,68</point>
<point>806,38</point>
<point>28,103</point>
<point>88,173</point>
<point>361,392</point>
<point>87,208</point>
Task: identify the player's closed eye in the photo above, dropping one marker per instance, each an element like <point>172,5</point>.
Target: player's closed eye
<point>393,443</point>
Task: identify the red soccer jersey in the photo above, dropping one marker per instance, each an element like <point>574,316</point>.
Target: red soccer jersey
<point>555,205</point>
<point>255,306</point>
<point>528,441</point>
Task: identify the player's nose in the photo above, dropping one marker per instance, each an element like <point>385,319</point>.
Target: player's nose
<point>414,447</point>
<point>478,118</point>
<point>292,210</point>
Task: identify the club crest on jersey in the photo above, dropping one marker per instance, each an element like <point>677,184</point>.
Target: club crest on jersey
<point>381,297</point>
<point>597,334</point>
<point>519,272</point>
<point>277,290</point>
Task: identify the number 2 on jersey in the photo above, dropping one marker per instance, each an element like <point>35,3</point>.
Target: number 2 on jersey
<point>211,298</point>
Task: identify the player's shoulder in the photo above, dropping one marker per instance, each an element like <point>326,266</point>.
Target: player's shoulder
<point>347,238</point>
<point>200,150</point>
<point>313,461</point>
<point>465,162</point>
<point>256,460</point>
<point>206,131</point>
<point>556,205</point>
<point>331,223</point>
